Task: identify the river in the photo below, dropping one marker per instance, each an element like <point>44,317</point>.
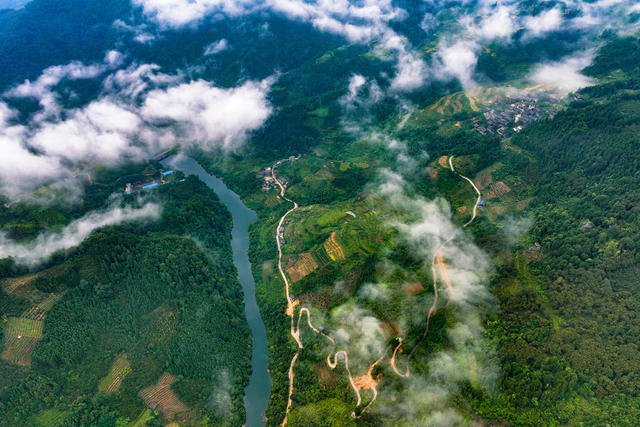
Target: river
<point>256,394</point>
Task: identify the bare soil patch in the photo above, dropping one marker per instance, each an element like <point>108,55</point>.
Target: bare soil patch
<point>413,289</point>
<point>303,266</point>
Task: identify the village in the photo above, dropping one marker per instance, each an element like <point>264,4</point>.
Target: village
<point>512,115</point>
<point>267,174</point>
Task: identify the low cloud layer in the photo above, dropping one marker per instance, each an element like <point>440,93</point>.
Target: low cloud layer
<point>357,21</point>
<point>178,13</point>
<point>564,76</point>
<point>362,22</point>
<point>140,112</point>
<point>370,21</point>
<point>46,244</point>
<point>425,226</point>
<point>458,50</point>
<point>457,60</point>
<point>544,22</point>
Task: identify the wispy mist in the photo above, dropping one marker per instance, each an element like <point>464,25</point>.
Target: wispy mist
<point>46,244</point>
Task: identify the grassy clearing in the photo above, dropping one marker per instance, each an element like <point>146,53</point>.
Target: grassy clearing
<point>321,112</point>
<point>119,370</point>
<point>50,418</point>
<point>141,421</point>
<point>161,397</point>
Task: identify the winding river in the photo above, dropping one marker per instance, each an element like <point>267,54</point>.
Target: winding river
<point>256,394</point>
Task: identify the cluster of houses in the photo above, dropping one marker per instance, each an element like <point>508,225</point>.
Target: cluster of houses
<point>281,234</point>
<point>267,179</point>
<point>266,175</point>
<point>513,117</point>
<point>147,185</point>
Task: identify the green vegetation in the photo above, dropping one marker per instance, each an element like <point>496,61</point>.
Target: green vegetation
<point>564,329</point>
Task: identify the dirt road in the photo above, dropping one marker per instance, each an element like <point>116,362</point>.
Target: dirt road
<point>438,260</point>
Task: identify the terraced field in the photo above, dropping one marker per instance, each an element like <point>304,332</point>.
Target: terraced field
<point>22,333</point>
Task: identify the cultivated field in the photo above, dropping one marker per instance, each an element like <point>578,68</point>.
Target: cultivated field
<point>333,248</point>
<point>304,265</point>
<point>20,336</point>
<point>161,397</point>
<point>119,370</point>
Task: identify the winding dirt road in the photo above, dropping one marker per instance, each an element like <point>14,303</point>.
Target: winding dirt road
<point>366,381</point>
<point>438,260</point>
<point>363,382</point>
<point>295,333</point>
<point>478,200</point>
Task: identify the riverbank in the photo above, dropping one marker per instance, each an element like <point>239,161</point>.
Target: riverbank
<point>257,392</point>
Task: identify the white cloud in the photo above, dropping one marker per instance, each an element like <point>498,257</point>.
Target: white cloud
<point>361,96</point>
<point>140,112</point>
<point>210,116</point>
<point>360,21</point>
<point>355,83</point>
<point>41,88</point>
<point>499,24</point>
<point>429,23</point>
<point>457,60</point>
<point>101,132</point>
<point>564,75</point>
<point>544,22</point>
<point>178,13</point>
<point>46,244</point>
<point>139,32</point>
<point>411,70</point>
<point>423,397</point>
<point>21,168</point>
<point>216,47</point>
